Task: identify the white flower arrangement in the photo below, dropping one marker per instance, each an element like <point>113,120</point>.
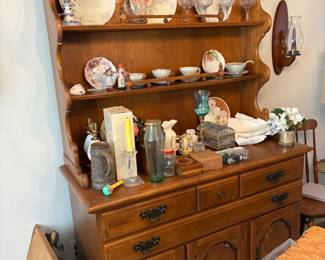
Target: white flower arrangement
<point>286,119</point>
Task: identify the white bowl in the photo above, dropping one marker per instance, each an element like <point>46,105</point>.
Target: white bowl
<point>187,71</point>
<point>237,67</point>
<point>161,73</point>
<point>137,76</point>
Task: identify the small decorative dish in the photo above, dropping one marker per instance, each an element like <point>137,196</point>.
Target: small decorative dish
<point>189,71</point>
<point>100,73</point>
<point>236,74</point>
<point>160,74</point>
<point>212,61</point>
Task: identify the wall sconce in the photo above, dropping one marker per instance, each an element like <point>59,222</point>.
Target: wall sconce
<point>286,41</point>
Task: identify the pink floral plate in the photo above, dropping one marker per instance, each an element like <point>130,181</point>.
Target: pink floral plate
<point>100,73</point>
<point>211,61</point>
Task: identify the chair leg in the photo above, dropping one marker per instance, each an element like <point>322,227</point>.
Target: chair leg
<point>310,222</point>
<point>302,224</point>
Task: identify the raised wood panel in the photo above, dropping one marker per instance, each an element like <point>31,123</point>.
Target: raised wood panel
<point>271,230</point>
<point>229,244</point>
<point>128,220</point>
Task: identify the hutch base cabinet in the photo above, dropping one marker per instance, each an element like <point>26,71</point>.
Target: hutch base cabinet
<point>238,212</point>
<point>247,211</point>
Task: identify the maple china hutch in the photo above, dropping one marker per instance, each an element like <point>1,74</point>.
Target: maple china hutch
<point>237,212</point>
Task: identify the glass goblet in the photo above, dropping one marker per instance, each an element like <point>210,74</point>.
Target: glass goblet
<point>247,4</point>
<point>226,6</point>
<point>186,5</point>
<point>202,108</point>
<point>203,5</point>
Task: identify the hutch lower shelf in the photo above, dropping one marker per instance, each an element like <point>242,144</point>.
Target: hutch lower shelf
<point>238,212</point>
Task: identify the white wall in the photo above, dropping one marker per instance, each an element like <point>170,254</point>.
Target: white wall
<point>31,187</point>
<point>300,84</point>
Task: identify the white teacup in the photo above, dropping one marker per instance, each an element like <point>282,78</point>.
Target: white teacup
<point>237,67</point>
<point>187,71</point>
<point>137,76</point>
<point>161,73</point>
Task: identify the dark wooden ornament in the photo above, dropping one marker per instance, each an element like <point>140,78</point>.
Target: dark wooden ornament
<point>280,31</point>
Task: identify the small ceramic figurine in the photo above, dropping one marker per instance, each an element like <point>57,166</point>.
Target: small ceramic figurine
<point>69,14</point>
<point>170,135</point>
<point>188,141</point>
<point>91,138</point>
<point>77,90</point>
<point>121,84</point>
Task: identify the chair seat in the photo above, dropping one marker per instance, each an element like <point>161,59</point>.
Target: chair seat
<point>312,208</point>
<point>314,191</point>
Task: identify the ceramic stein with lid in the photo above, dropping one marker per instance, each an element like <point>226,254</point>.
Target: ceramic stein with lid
<point>102,166</point>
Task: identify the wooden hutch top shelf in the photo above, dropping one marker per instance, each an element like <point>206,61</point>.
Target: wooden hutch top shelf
<point>131,27</point>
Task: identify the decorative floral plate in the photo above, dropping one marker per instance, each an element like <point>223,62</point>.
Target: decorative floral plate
<point>100,73</point>
<point>219,111</point>
<point>211,61</point>
<point>94,12</point>
<point>155,7</point>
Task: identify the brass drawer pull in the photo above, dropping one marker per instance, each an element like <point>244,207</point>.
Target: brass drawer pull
<point>148,246</point>
<point>273,177</point>
<point>153,214</point>
<point>280,198</point>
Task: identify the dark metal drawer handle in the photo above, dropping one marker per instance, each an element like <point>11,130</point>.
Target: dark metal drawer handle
<point>153,214</point>
<point>146,247</point>
<point>273,177</point>
<point>280,198</point>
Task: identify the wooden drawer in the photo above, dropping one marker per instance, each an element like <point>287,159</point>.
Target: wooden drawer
<point>170,235</point>
<point>270,177</point>
<point>229,244</point>
<point>148,214</point>
<point>217,193</point>
<point>174,254</point>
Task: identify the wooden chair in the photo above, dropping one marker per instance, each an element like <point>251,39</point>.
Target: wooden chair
<point>40,248</point>
<point>311,208</point>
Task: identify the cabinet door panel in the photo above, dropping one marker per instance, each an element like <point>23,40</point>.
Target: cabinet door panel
<point>271,230</point>
<point>229,244</point>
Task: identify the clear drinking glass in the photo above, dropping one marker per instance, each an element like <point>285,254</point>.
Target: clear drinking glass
<point>226,5</point>
<point>203,5</point>
<point>154,142</point>
<point>186,5</point>
<point>247,4</point>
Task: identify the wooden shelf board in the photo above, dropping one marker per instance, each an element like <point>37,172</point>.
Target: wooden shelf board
<point>164,88</point>
<point>131,27</point>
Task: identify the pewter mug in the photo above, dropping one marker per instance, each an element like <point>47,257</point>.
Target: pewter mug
<point>102,171</point>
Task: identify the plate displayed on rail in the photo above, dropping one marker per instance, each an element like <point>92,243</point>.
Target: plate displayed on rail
<point>94,12</point>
